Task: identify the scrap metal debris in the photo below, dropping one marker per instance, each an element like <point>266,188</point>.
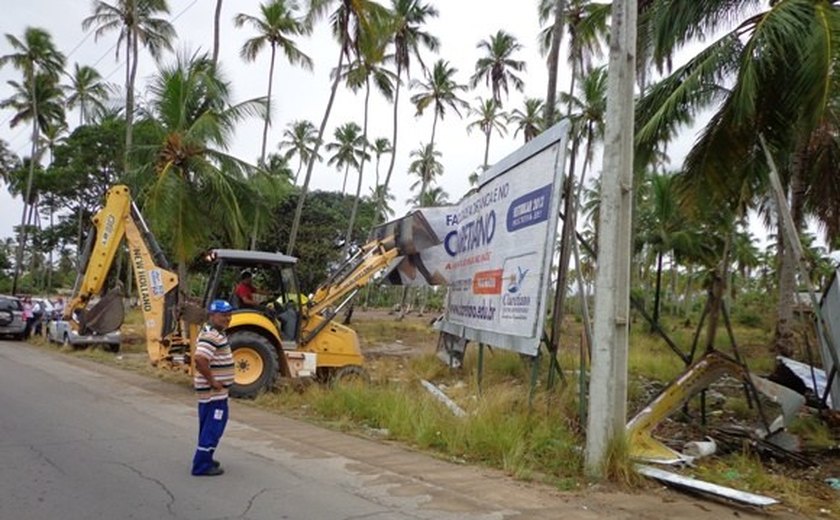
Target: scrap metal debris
<point>440,396</point>
<point>706,487</point>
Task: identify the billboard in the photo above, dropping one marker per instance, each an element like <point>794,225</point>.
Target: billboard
<point>494,248</point>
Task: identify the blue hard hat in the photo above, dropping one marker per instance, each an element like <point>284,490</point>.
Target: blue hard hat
<point>220,306</point>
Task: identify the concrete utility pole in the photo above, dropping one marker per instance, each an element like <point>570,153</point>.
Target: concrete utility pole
<point>608,384</point>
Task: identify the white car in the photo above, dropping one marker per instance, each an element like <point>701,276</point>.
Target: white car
<point>59,331</point>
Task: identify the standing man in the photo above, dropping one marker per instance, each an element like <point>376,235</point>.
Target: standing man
<point>212,377</point>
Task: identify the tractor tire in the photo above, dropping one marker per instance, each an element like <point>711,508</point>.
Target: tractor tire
<point>255,364</point>
<point>349,375</point>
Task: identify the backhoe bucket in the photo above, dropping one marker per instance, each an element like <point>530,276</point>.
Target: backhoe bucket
<point>107,315</point>
<point>409,234</point>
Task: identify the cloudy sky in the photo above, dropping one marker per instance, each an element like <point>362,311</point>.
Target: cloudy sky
<point>300,94</point>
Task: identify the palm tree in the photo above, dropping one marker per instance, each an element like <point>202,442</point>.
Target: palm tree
<point>37,57</point>
<point>190,179</point>
<point>772,76</point>
<point>349,19</point>
<point>529,120</point>
<point>408,19</point>
<point>368,65</point>
<point>490,116</point>
<point>87,91</point>
<point>435,196</point>
<point>498,68</point>
<point>380,147</point>
<point>427,166</point>
<point>348,147</point>
<point>276,27</point>
<point>588,111</point>
<point>299,139</point>
<point>385,211</point>
<point>440,90</point>
<point>138,22</point>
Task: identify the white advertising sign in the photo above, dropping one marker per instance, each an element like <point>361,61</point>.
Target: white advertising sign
<point>494,248</point>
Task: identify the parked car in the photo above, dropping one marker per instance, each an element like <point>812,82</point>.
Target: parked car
<point>11,317</point>
<point>59,331</point>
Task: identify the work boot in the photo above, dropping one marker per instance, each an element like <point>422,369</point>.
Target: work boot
<point>212,472</point>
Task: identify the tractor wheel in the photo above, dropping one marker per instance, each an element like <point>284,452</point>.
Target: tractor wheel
<point>349,375</point>
<point>255,364</point>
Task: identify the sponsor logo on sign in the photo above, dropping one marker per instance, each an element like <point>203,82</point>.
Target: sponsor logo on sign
<point>487,282</point>
<point>513,300</point>
<point>529,209</point>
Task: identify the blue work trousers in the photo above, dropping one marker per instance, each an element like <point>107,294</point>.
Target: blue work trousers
<point>212,419</point>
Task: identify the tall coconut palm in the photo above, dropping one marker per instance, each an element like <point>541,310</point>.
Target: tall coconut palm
<point>190,179</point>
<point>498,68</point>
<point>276,26</point>
<point>440,90</point>
<point>588,110</point>
<point>299,139</point>
<point>773,75</point>
<point>138,23</point>
<point>435,196</point>
<point>489,116</point>
<point>529,120</point>
<point>348,20</point>
<point>348,150</point>
<point>385,210</point>
<point>369,65</point>
<point>87,91</point>
<point>426,166</point>
<point>588,25</point>
<point>408,19</point>
<point>36,56</point>
<point>380,147</point>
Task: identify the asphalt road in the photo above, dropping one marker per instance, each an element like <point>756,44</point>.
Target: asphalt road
<point>84,441</point>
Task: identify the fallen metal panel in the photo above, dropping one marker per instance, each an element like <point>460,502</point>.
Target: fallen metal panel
<point>443,398</point>
<point>790,401</point>
<point>706,487</point>
<point>830,350</point>
<point>803,372</point>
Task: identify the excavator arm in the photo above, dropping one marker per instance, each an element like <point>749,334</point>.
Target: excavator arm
<point>157,284</point>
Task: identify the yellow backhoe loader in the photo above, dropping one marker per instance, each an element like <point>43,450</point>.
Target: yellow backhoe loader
<point>290,336</point>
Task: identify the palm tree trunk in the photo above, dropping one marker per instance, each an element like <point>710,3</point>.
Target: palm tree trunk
<point>299,209</point>
<point>268,104</point>
<point>344,183</point>
<point>656,294</point>
<point>553,61</point>
<point>361,168</point>
<point>297,173</point>
<point>487,147</point>
<point>783,340</point>
<point>381,200</point>
<point>129,99</point>
<point>50,255</point>
<point>30,177</point>
<point>216,20</point>
<point>434,129</point>
<point>254,230</point>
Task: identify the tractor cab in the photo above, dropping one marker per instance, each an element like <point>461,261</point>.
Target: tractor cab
<point>259,282</point>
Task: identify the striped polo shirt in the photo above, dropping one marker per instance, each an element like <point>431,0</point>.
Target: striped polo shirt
<point>213,345</point>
